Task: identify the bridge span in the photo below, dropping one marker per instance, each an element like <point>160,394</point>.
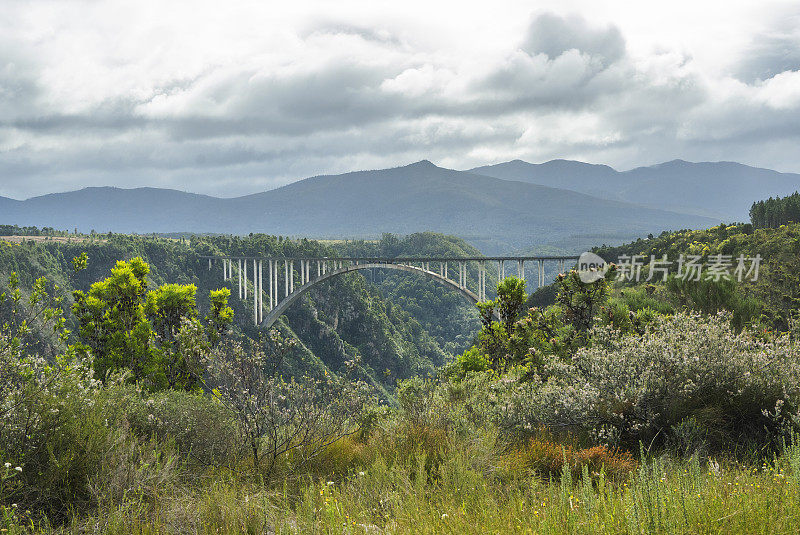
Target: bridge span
<point>307,272</point>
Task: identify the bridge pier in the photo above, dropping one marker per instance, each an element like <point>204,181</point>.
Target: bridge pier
<point>482,281</point>
<point>255,293</point>
<point>541,274</point>
<point>269,284</point>
<point>286,278</point>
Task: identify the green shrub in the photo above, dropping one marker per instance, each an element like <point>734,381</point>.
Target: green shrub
<point>710,296</point>
<point>203,430</point>
<point>648,297</point>
<point>625,389</point>
<point>472,360</point>
<point>56,432</point>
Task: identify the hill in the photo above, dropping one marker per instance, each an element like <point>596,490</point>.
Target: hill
<point>493,214</point>
<point>772,299</point>
<point>722,190</point>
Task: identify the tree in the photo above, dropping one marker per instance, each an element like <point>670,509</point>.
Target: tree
<point>519,339</point>
<point>126,327</point>
<point>581,301</point>
<point>495,337</point>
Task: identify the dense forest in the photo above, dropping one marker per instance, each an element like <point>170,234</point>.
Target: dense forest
<point>138,397</point>
<point>774,212</point>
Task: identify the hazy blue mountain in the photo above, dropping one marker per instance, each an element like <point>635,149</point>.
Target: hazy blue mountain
<point>495,215</point>
<point>723,190</point>
<point>583,177</point>
<point>7,204</point>
<point>115,209</point>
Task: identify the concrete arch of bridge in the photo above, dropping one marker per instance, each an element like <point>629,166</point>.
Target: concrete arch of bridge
<point>278,311</point>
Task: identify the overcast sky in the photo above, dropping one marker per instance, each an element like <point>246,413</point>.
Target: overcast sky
<point>229,98</point>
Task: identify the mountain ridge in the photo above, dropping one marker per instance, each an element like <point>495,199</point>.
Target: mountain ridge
<point>493,214</point>
<point>722,189</point>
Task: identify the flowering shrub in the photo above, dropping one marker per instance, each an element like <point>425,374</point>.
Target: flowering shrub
<point>625,389</point>
<point>203,430</point>
<point>54,429</point>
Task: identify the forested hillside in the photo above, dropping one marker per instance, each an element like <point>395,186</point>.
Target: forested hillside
<point>396,325</point>
<point>772,299</point>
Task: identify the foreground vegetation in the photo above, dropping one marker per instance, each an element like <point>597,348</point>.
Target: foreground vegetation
<point>616,409</point>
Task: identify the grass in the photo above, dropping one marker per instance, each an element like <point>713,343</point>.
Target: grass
<point>465,494</point>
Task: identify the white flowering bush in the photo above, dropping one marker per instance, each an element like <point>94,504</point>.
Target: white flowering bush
<point>687,375</point>
<point>52,430</point>
<point>204,432</point>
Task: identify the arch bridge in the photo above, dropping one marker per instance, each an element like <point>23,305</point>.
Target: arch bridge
<point>307,272</point>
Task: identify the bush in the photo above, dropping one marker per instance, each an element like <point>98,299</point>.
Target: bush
<point>625,389</point>
<point>549,458</point>
<point>56,431</point>
<point>472,360</point>
<point>710,296</point>
<point>203,430</point>
<point>278,419</point>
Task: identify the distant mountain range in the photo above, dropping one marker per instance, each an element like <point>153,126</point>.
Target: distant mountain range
<point>721,190</point>
<point>500,208</point>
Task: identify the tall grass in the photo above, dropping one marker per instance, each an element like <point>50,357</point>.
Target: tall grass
<point>659,499</point>
<point>402,494</point>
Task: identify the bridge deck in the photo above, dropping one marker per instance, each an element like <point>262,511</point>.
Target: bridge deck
<point>395,260</point>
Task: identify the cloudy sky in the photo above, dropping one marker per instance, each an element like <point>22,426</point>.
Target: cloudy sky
<point>229,98</point>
